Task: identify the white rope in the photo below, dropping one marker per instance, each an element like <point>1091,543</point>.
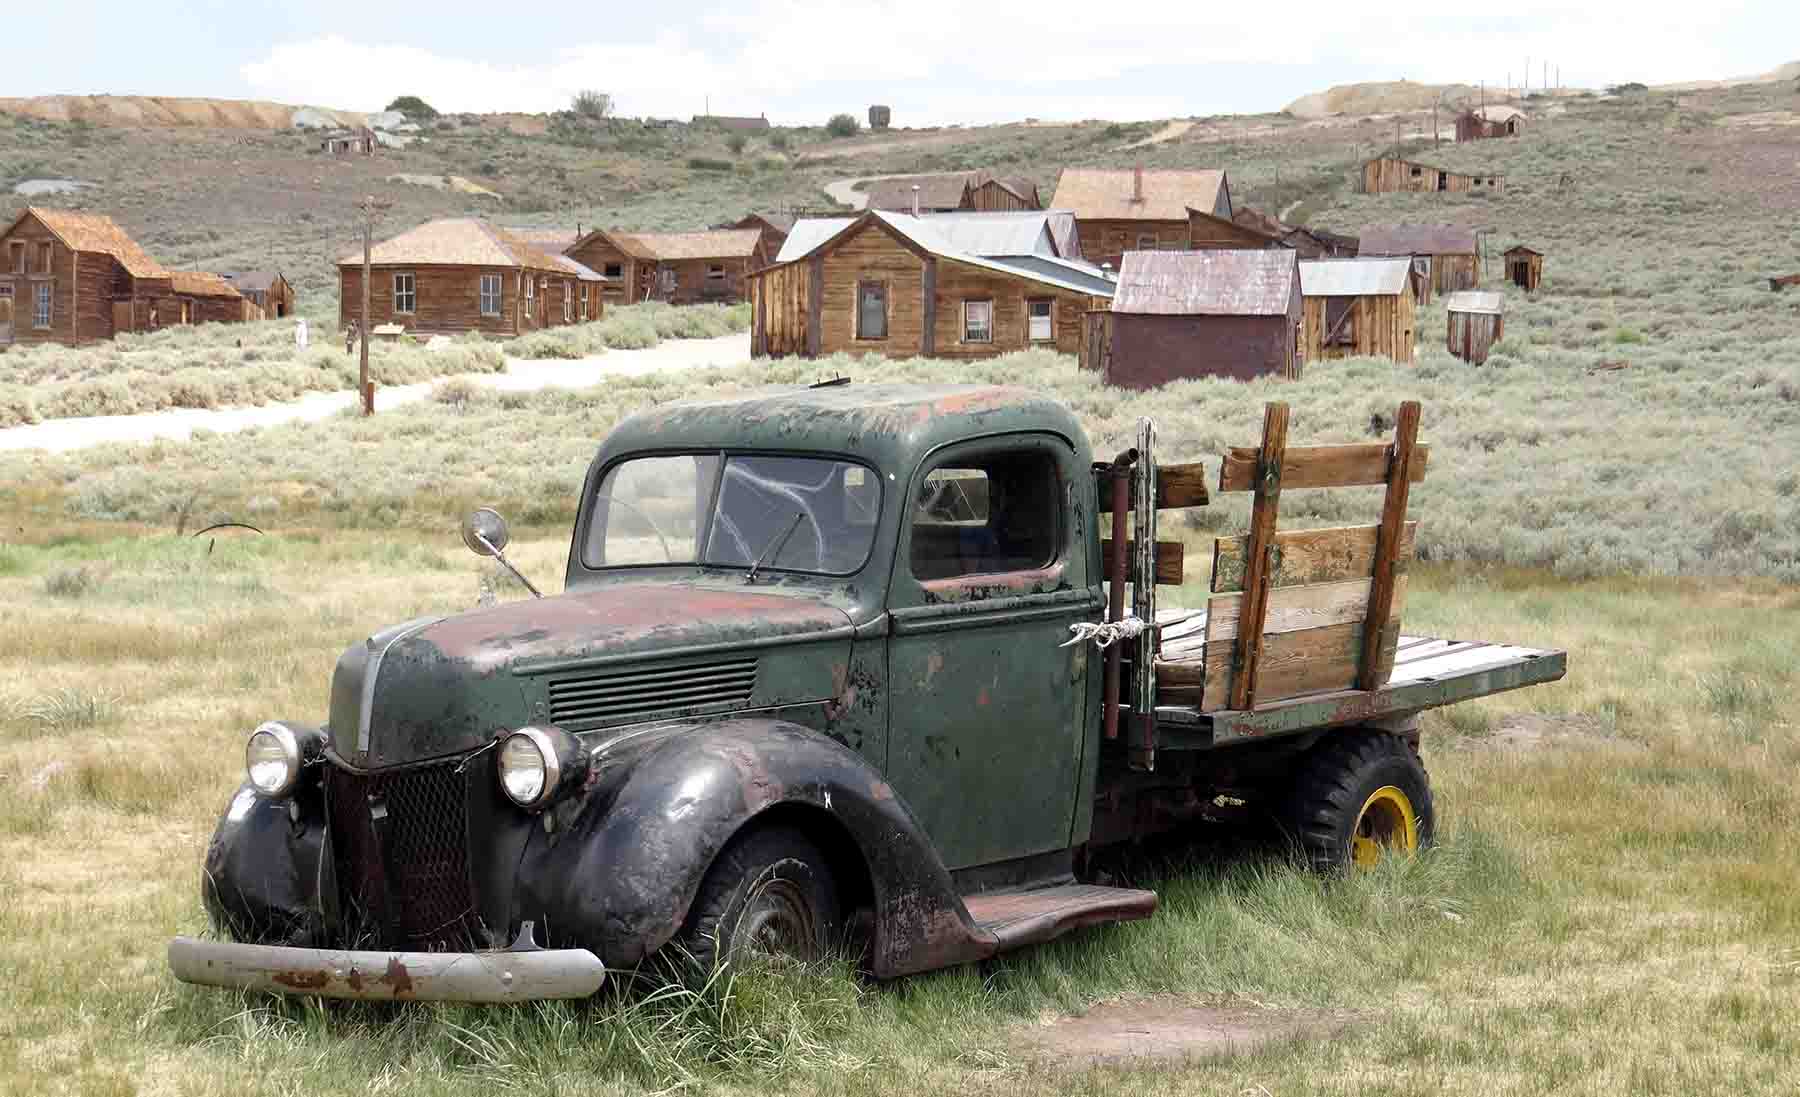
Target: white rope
<point>1105,634</point>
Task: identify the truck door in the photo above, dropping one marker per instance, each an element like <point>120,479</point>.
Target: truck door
<point>987,710</point>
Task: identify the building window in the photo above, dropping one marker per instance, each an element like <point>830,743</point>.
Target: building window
<point>490,295</point>
<point>715,272</point>
<point>613,271</point>
<point>1417,171</point>
<point>530,295</point>
<point>871,310</point>
<point>978,321</point>
<point>406,294</point>
<point>44,254</point>
<point>583,305</point>
<point>1040,319</point>
<point>1340,322</point>
<point>1146,241</point>
<point>669,280</point>
<point>18,257</point>
<point>40,305</point>
<point>568,303</point>
<point>988,514</point>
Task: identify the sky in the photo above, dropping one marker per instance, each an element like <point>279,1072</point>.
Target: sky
<point>935,62</point>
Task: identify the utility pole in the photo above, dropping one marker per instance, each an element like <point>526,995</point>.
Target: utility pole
<point>367,390</point>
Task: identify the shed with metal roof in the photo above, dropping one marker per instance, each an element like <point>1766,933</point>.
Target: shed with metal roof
<point>1218,313</point>
<point>1448,255</point>
<point>1475,322</point>
<point>1358,307</point>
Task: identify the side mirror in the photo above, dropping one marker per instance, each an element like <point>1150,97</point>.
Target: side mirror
<point>485,532</point>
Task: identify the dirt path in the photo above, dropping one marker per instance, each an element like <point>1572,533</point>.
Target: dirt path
<point>521,375</point>
<point>1168,133</point>
<point>1158,1029</point>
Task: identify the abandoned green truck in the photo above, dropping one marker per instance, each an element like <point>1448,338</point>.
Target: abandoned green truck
<point>836,664</point>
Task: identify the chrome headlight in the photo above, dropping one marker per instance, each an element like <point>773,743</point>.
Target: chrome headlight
<point>272,760</point>
<point>537,764</point>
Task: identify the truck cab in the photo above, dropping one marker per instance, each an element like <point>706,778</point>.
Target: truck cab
<point>832,667</point>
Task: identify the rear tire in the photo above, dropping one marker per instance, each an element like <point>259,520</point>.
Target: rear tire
<point>1357,798</point>
<point>770,893</point>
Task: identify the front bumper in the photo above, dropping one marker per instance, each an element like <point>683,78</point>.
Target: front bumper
<point>522,976</point>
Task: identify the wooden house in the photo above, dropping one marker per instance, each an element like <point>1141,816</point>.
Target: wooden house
<point>1310,243</point>
<point>1482,123</point>
<point>899,285</point>
<point>1392,175</point>
<point>952,192</point>
<point>1357,307</point>
<point>1448,254</point>
<point>1213,313</point>
<point>206,298</point>
<point>77,278</point>
<point>774,228</point>
<point>345,142</point>
<point>460,274</point>
<point>266,289</point>
<point>1524,267</point>
<point>1137,210</point>
<point>1207,231</point>
<point>682,268</point>
<point>1475,322</point>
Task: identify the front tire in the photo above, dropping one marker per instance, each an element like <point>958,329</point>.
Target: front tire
<point>769,893</point>
<point>1361,797</point>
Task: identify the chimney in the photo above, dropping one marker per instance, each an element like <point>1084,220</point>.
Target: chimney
<point>1137,183</point>
<point>915,199</point>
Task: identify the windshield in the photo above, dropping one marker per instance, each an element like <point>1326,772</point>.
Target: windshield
<point>808,514</point>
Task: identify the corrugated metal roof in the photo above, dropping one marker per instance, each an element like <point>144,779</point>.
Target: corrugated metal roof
<point>1474,300</point>
<point>1247,282</point>
<point>586,274</point>
<point>1107,194</point>
<point>1073,272</point>
<point>1417,240</point>
<point>808,233</point>
<point>96,232</point>
<point>1011,232</point>
<point>1353,277</point>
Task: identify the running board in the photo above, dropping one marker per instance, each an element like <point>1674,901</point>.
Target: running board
<point>1018,918</point>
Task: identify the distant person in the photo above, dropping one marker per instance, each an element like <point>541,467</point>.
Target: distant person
<point>300,333</point>
<point>350,334</point>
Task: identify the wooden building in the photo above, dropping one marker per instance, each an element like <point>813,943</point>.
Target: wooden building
<point>1207,231</point>
<point>1133,209</point>
<point>682,268</point>
<point>1448,254</point>
<point>1392,175</point>
<point>1482,123</point>
<point>952,192</point>
<point>1357,308</point>
<point>346,142</point>
<point>897,285</point>
<point>774,228</point>
<point>1216,313</point>
<point>266,289</point>
<point>1475,322</point>
<point>1310,243</point>
<point>459,274</point>
<point>1524,267</point>
<point>209,299</point>
<point>77,278</point>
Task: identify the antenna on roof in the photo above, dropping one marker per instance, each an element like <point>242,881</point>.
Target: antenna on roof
<point>915,192</point>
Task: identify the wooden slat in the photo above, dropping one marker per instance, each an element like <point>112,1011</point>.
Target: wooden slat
<point>1393,516</point>
<point>1176,486</point>
<point>1272,461</point>
<point>1293,609</point>
<point>1310,556</point>
<point>1290,663</point>
<point>1318,466</point>
<point>1171,557</point>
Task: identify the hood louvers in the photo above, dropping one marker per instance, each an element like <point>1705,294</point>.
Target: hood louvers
<point>624,696</point>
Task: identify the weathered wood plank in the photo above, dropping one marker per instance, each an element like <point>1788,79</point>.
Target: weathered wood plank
<point>1171,558</point>
<point>1292,609</point>
<point>1291,663</point>
<point>1309,556</point>
<point>1356,465</point>
<point>1272,460</point>
<point>1176,486</point>
<point>1393,516</point>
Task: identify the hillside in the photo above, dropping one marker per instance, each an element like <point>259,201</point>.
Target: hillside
<point>147,110</point>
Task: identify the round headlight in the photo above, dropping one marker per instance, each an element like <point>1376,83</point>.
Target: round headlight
<point>272,759</point>
<point>529,770</point>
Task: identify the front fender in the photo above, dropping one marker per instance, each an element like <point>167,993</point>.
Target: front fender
<point>618,871</point>
<point>261,883</point>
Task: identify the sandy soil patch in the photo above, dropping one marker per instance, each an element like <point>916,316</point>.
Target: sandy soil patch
<point>1535,730</point>
<point>1117,1032</point>
<point>1168,133</point>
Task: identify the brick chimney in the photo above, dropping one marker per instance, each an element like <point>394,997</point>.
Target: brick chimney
<point>1137,183</point>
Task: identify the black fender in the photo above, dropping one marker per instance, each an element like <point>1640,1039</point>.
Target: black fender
<point>262,875</point>
<point>618,868</point>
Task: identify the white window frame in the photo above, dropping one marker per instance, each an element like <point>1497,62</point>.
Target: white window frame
<point>583,298</point>
<point>410,294</point>
<point>886,319</point>
<point>530,290</point>
<point>43,299</point>
<point>1049,318</point>
<point>568,303</point>
<point>982,303</point>
<point>497,295</point>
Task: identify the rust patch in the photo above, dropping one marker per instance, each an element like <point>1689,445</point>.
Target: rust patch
<point>356,980</point>
<point>302,980</point>
<point>880,791</point>
<point>934,662</point>
<point>398,978</point>
<point>981,699</point>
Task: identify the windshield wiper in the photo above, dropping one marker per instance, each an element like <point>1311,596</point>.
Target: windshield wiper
<point>773,548</point>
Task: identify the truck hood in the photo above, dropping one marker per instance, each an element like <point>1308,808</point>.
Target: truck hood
<point>437,686</point>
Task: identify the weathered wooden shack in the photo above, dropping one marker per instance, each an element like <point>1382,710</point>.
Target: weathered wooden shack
<point>1476,321</point>
<point>900,285</point>
<point>206,298</point>
<point>266,289</point>
<point>952,192</point>
<point>1206,231</point>
<point>1449,253</point>
<point>1133,209</point>
<point>1357,307</point>
<point>1310,243</point>
<point>77,278</point>
<point>1392,175</point>
<point>774,228</point>
<point>1524,267</point>
<point>682,268</point>
<point>460,274</point>
<point>1192,314</point>
<point>1482,123</point>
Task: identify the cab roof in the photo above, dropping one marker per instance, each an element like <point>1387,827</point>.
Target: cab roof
<point>890,426</point>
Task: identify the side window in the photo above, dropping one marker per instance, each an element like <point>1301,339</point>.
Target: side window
<point>986,515</point>
<point>613,271</point>
<point>1146,241</point>
<point>871,310</point>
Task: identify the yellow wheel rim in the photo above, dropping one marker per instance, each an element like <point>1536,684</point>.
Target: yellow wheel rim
<point>1386,822</point>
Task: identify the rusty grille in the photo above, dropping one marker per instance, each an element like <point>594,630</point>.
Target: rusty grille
<point>401,843</point>
<point>625,695</point>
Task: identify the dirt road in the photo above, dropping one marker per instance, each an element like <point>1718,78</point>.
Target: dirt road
<point>520,376</point>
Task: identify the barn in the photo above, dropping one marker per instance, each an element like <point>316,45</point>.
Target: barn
<point>266,289</point>
<point>77,278</point>
<point>970,285</point>
<point>1524,267</point>
<point>1178,315</point>
<point>1476,321</point>
<point>1448,254</point>
<point>1357,307</point>
<point>1482,123</point>
<point>1137,210</point>
<point>682,268</point>
<point>1392,175</point>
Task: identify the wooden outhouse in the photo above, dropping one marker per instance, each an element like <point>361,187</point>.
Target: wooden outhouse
<point>1481,123</point>
<point>1132,209</point>
<point>266,289</point>
<point>459,274</point>
<point>1357,307</point>
<point>1449,254</point>
<point>77,278</point>
<point>1392,175</point>
<point>898,285</point>
<point>682,268</point>
<point>1524,267</point>
<point>1476,322</point>
<point>1179,315</point>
